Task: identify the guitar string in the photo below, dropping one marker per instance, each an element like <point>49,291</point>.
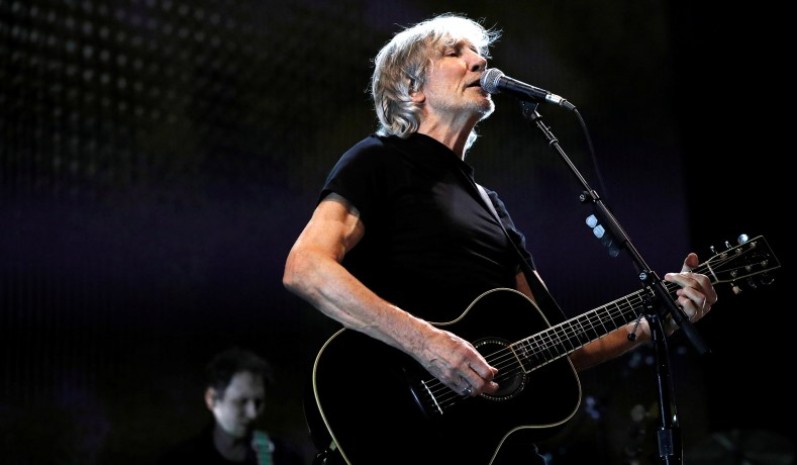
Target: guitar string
<point>541,343</point>
<point>454,398</point>
<point>550,345</point>
<point>547,341</point>
<point>508,364</point>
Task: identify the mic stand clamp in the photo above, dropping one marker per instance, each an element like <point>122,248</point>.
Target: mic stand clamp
<point>669,442</point>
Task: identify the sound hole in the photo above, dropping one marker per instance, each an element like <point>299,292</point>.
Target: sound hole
<point>511,379</point>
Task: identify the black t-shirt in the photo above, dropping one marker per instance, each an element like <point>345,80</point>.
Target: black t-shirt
<point>199,450</point>
<point>430,244</point>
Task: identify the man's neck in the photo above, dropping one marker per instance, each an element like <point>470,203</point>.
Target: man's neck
<point>231,448</point>
<point>453,136</point>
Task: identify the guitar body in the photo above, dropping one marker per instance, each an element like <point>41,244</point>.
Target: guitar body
<point>374,401</point>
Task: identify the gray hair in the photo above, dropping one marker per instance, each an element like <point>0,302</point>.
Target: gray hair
<point>400,68</point>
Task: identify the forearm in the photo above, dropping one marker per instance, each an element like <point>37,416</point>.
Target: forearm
<point>329,287</point>
<point>612,345</point>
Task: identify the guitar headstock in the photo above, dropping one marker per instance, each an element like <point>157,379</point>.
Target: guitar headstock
<point>750,262</point>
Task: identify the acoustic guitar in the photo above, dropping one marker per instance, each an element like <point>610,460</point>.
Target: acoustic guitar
<point>374,405</point>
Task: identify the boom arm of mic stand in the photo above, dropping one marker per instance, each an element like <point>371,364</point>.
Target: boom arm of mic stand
<point>621,238</point>
<point>669,443</point>
<point>648,277</point>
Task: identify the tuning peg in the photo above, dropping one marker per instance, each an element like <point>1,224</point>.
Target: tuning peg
<point>741,239</point>
<point>766,279</point>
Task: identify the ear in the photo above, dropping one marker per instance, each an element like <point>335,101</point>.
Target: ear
<point>211,397</point>
<point>418,96</point>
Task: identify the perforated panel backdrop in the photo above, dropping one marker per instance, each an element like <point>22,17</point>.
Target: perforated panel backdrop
<point>158,158</point>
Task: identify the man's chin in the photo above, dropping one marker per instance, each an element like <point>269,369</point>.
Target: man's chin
<point>239,433</point>
<point>487,110</point>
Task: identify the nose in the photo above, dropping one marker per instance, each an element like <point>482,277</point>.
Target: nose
<point>479,64</point>
<point>251,410</point>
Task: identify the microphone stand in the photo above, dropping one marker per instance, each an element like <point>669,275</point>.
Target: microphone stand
<point>668,438</point>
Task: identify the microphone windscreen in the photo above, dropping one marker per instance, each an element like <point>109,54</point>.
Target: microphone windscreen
<point>489,80</point>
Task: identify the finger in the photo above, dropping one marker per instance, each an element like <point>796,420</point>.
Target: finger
<point>706,288</point>
<point>690,263</point>
<point>470,379</point>
<point>694,303</point>
<point>478,384</point>
<point>483,370</point>
<point>683,279</point>
<point>697,285</point>
<point>692,295</point>
<point>466,388</point>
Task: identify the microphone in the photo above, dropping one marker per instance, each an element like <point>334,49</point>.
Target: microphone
<point>493,81</point>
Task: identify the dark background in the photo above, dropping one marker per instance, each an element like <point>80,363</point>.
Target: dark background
<point>158,158</point>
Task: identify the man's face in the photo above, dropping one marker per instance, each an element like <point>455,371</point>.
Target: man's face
<point>237,408</point>
<point>452,81</point>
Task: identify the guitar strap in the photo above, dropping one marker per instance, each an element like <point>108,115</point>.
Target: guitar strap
<point>542,296</point>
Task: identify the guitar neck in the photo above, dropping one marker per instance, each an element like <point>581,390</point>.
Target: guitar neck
<point>748,260</point>
<point>565,338</point>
